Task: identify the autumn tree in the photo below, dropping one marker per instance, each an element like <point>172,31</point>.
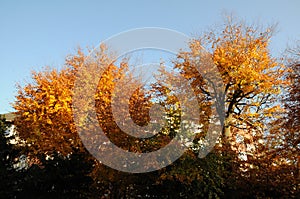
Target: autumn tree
<point>44,107</point>
<point>246,105</point>
<point>292,124</point>
<point>283,141</point>
<point>292,102</point>
<point>45,115</point>
<point>251,76</point>
<point>285,130</point>
<point>252,79</point>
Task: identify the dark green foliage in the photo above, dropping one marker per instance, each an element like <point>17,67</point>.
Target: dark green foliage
<point>8,152</point>
<point>59,177</point>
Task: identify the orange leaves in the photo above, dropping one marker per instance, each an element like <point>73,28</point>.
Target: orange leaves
<point>252,77</point>
<point>45,107</point>
<point>243,61</point>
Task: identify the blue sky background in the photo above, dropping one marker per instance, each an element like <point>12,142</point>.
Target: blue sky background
<point>34,34</point>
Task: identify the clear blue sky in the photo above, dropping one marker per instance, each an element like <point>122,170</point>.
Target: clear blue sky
<point>34,34</point>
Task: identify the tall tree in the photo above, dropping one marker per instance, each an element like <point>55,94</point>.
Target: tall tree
<point>253,80</point>
<point>284,140</point>
<point>45,116</point>
<point>252,77</point>
<point>292,101</point>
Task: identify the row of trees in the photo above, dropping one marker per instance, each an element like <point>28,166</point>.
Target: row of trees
<point>257,155</point>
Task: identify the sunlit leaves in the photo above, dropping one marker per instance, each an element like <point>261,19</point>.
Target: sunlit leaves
<point>251,76</point>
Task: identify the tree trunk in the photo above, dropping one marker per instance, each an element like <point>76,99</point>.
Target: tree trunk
<point>227,131</point>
